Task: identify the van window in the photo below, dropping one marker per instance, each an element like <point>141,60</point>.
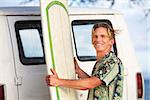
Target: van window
<point>82,31</point>
<point>30,38</point>
<point>30,42</point>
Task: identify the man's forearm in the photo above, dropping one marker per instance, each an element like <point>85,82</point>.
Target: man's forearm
<point>81,84</point>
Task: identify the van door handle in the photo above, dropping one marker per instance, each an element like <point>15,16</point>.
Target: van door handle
<point>18,80</point>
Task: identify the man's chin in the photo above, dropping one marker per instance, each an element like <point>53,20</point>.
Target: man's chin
<point>99,50</point>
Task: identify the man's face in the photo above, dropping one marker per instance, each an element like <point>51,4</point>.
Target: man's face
<point>101,41</point>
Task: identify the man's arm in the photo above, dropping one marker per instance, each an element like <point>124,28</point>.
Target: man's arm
<point>82,84</point>
<point>79,71</point>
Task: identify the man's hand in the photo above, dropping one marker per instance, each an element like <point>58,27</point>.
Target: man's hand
<point>77,68</point>
<point>52,80</point>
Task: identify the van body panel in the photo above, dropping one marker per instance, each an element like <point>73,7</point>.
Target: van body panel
<point>128,57</point>
<point>7,65</point>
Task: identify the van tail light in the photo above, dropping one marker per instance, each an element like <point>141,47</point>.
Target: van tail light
<point>139,85</point>
<point>2,92</point>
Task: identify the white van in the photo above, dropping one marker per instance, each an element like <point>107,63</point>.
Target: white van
<point>22,62</point>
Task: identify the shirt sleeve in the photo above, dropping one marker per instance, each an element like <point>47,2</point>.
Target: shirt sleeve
<point>111,75</point>
<point>109,72</point>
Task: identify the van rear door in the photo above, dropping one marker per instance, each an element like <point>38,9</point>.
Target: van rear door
<point>83,48</point>
<point>28,51</point>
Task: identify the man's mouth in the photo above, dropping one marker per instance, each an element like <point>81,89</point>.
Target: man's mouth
<point>98,44</point>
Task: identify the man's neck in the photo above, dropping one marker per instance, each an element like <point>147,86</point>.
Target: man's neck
<point>100,55</point>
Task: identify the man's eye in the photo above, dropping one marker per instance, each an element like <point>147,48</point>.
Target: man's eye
<point>102,36</point>
<point>95,36</point>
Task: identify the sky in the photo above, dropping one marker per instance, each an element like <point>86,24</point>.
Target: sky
<point>134,16</point>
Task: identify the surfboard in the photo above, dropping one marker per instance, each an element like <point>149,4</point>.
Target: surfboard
<point>57,45</point>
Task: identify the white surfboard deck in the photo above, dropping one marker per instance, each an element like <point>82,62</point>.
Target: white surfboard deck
<point>57,44</point>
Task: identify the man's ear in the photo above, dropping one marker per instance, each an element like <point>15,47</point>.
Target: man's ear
<point>112,41</point>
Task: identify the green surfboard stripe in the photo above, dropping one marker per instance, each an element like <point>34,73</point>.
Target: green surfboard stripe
<point>49,34</point>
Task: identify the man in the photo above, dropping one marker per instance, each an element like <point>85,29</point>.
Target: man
<point>106,81</point>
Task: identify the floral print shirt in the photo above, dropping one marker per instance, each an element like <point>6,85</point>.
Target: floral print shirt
<point>110,71</point>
